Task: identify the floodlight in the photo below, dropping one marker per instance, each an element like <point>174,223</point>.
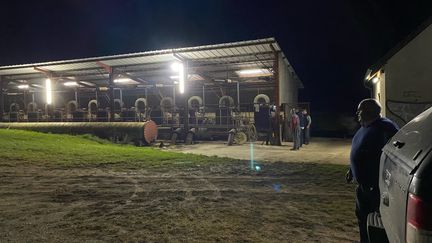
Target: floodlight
<point>179,67</point>
<point>250,71</point>
<point>254,72</point>
<point>48,91</point>
<point>122,80</point>
<point>375,80</point>
<point>176,66</point>
<point>23,86</point>
<point>70,83</point>
<point>174,77</point>
<point>181,80</point>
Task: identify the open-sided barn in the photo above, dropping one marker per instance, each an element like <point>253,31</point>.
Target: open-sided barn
<point>212,87</point>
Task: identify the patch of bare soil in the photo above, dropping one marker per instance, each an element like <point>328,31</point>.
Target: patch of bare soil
<point>320,150</point>
<point>284,202</point>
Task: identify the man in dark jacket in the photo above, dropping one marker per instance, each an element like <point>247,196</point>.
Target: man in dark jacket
<point>295,129</point>
<point>365,156</point>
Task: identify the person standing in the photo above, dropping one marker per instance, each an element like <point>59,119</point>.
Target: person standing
<point>295,129</point>
<point>302,120</point>
<point>365,155</point>
<point>307,127</point>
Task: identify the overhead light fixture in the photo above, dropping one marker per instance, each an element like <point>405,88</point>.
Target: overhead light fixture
<point>48,91</point>
<point>23,86</point>
<point>176,66</point>
<point>179,68</point>
<point>71,83</point>
<point>375,80</point>
<point>122,80</point>
<point>87,83</point>
<point>174,77</point>
<point>254,72</point>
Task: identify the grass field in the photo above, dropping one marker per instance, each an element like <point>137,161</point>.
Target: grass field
<point>79,188</point>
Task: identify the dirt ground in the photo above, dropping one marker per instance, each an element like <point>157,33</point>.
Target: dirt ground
<point>283,202</point>
<point>320,150</point>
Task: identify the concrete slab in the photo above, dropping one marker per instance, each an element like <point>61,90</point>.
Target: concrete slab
<point>320,150</point>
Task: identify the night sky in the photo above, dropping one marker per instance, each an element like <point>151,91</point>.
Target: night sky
<point>330,43</point>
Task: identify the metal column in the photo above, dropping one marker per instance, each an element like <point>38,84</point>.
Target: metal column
<point>121,94</point>
<point>111,94</point>
<point>186,120</point>
<point>278,140</point>
<point>174,95</point>
<point>238,96</point>
<point>204,104</point>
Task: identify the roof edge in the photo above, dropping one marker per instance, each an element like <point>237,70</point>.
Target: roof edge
<point>400,45</point>
<point>146,53</point>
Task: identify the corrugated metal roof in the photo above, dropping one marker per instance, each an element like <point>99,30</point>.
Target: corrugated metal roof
<point>258,53</point>
<point>194,53</point>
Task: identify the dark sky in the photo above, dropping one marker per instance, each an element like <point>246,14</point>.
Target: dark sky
<point>329,43</point>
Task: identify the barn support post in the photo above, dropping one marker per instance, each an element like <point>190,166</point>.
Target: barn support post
<point>186,120</point>
<point>277,97</point>
<point>174,96</point>
<point>111,77</point>
<point>1,99</point>
<point>25,100</point>
<point>97,94</point>
<point>238,96</point>
<point>145,105</point>
<point>203,95</point>
<point>121,95</point>
<point>111,94</point>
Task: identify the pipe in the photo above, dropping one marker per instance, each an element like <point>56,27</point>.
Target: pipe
<point>238,96</point>
<point>138,132</point>
<point>204,105</point>
<point>121,95</point>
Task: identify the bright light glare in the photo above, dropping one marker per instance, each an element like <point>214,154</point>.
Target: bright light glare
<point>176,66</point>
<point>23,86</point>
<point>70,83</point>
<point>254,72</point>
<point>375,80</point>
<point>48,91</point>
<point>122,80</point>
<point>250,71</point>
<point>181,80</point>
<point>179,67</point>
<point>174,77</point>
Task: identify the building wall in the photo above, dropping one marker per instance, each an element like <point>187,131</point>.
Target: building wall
<point>288,93</point>
<point>407,84</point>
<point>288,89</point>
<point>379,92</point>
